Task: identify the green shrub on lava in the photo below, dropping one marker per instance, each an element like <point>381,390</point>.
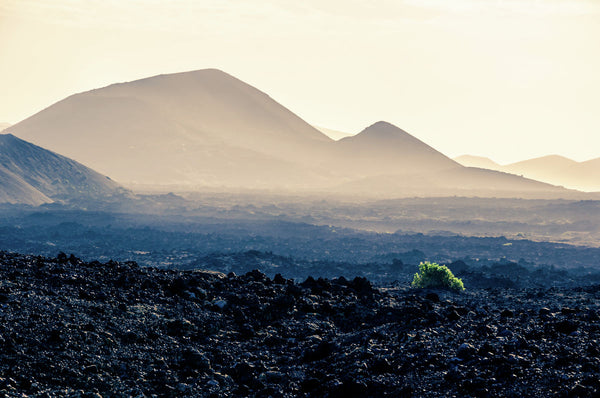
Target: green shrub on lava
<point>432,275</point>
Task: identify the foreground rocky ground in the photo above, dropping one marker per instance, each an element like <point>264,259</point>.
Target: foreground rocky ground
<point>69,328</point>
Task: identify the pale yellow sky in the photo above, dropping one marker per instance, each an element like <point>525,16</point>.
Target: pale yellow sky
<point>507,79</point>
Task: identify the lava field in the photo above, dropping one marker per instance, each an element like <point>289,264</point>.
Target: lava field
<point>72,328</point>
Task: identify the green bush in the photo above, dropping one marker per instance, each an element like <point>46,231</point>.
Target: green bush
<point>436,276</point>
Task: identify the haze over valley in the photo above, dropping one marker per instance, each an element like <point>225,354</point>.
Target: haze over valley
<point>231,152</point>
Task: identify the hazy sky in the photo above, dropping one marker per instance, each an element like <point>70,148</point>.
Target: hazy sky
<point>507,79</point>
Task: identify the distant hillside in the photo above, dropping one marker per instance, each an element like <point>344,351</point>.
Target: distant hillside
<point>4,126</point>
<point>33,175</point>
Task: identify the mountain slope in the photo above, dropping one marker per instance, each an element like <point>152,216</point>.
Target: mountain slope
<point>201,127</point>
<point>13,189</point>
<point>33,175</point>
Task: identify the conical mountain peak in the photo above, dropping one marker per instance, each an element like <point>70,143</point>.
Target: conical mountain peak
<point>383,130</point>
<point>387,137</point>
<point>384,133</point>
<point>387,149</point>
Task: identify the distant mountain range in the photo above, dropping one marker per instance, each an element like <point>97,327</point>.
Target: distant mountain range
<point>553,169</point>
<point>208,129</point>
<point>33,175</point>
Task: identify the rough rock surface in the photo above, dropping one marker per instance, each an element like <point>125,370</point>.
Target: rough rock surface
<point>69,328</point>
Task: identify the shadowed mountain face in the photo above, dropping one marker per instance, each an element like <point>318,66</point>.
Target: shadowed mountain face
<point>33,175</point>
<point>208,129</point>
<point>552,169</point>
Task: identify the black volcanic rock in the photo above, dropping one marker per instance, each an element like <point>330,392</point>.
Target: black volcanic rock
<point>71,328</point>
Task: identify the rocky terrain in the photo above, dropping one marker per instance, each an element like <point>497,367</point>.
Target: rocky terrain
<point>74,328</point>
